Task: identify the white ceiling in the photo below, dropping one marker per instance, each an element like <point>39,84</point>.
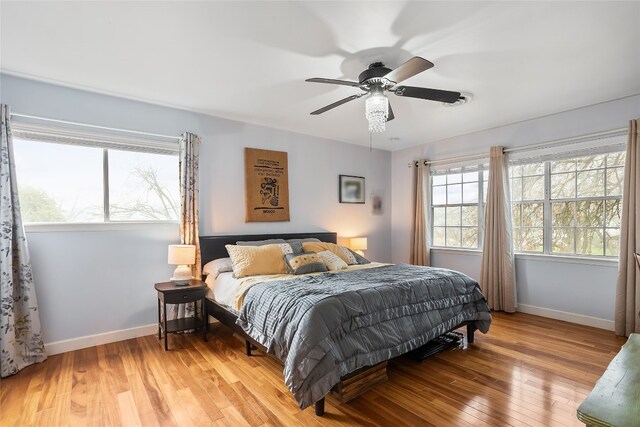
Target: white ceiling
<point>248,61</point>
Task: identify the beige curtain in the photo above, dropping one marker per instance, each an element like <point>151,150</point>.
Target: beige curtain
<point>421,207</point>
<point>497,274</point>
<point>628,283</point>
<point>188,169</point>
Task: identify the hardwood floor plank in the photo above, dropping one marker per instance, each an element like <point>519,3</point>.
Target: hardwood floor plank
<point>50,385</point>
<point>195,411</point>
<point>78,410</point>
<point>528,371</point>
<point>128,412</point>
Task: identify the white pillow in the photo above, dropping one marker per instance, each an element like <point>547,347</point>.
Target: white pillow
<point>217,266</point>
<point>332,261</point>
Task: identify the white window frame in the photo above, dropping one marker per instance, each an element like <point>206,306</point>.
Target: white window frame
<point>106,142</point>
<point>481,169</point>
<point>547,211</point>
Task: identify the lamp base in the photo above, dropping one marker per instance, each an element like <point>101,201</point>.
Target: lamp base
<point>181,275</point>
<point>180,282</point>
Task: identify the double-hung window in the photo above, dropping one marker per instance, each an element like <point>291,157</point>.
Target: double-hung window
<point>527,203</point>
<point>66,176</point>
<point>562,202</point>
<point>457,205</point>
<point>568,206</point>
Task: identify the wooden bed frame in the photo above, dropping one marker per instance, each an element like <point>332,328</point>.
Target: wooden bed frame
<point>213,247</point>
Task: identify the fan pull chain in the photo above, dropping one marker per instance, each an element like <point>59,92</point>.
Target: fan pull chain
<point>370,141</point>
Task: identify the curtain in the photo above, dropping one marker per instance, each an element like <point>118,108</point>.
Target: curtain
<point>497,273</point>
<point>188,169</point>
<point>420,234</point>
<point>627,319</point>
<point>21,342</point>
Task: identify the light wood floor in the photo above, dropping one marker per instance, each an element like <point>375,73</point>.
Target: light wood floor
<point>527,371</point>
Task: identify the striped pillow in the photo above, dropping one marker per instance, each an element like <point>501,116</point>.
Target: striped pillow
<point>332,261</point>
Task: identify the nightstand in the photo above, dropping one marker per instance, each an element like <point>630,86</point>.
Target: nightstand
<point>170,293</point>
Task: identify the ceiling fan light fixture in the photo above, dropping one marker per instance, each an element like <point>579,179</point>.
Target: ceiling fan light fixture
<point>377,111</point>
<point>377,79</point>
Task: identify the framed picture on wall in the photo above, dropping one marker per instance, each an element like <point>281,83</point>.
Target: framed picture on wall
<point>266,181</point>
<point>351,189</point>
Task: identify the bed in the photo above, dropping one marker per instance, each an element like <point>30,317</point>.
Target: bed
<point>325,326</point>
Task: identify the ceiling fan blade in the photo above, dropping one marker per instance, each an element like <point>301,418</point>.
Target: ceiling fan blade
<point>335,104</point>
<point>409,69</point>
<point>426,93</point>
<point>333,82</point>
<point>390,116</point>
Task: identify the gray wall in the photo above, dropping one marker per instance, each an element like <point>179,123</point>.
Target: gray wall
<point>558,284</point>
<point>90,282</point>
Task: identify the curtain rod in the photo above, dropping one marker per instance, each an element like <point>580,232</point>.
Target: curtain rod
<point>27,116</point>
<point>523,148</point>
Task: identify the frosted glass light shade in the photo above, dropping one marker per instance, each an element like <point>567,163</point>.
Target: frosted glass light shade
<point>359,243</point>
<point>182,254</point>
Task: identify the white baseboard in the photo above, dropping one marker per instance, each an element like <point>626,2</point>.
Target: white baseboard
<point>141,331</point>
<point>104,338</point>
<point>98,339</point>
<point>580,319</point>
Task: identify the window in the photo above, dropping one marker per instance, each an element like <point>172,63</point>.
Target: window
<point>81,183</point>
<point>527,204</point>
<point>457,200</point>
<point>59,183</point>
<point>143,186</point>
<point>560,206</point>
<point>582,198</point>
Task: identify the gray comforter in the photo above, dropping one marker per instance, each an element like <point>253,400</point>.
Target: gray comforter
<point>326,326</point>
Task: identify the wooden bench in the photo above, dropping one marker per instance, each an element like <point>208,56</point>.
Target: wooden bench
<point>615,400</point>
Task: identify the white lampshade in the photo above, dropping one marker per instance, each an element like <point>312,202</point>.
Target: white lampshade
<point>359,243</point>
<point>182,254</point>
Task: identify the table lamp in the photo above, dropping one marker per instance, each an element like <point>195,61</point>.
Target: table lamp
<point>359,244</point>
<point>183,256</point>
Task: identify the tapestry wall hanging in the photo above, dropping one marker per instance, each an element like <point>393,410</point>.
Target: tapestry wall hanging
<point>266,185</point>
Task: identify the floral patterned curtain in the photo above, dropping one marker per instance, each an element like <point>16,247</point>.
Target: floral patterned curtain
<point>21,342</point>
<point>189,165</point>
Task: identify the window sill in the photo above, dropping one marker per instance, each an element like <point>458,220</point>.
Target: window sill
<point>457,251</point>
<point>565,259</point>
<point>99,226</point>
<point>568,259</point>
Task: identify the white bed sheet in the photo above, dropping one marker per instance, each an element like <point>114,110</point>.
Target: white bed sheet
<point>223,288</point>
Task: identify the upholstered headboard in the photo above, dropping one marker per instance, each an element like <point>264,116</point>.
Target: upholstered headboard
<point>212,247</point>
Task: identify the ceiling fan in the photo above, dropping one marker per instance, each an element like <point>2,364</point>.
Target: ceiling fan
<point>377,79</point>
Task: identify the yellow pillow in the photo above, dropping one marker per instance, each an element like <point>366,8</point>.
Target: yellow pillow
<point>341,252</point>
<point>254,260</point>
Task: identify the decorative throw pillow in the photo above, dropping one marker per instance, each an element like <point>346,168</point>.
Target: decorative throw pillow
<point>254,260</point>
<point>349,255</point>
<point>332,261</point>
<point>296,244</point>
<point>344,253</point>
<point>304,263</point>
<point>359,258</point>
<point>217,266</point>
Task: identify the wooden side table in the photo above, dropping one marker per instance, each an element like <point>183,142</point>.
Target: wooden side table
<point>170,293</point>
